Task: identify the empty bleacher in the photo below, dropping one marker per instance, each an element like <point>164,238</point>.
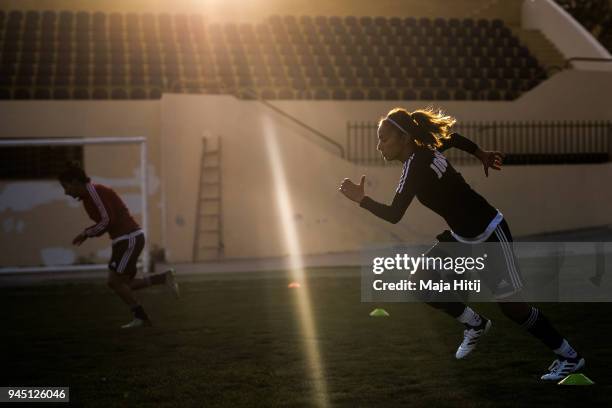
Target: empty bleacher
<point>84,55</point>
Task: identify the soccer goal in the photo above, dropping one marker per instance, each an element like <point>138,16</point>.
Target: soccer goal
<point>22,166</point>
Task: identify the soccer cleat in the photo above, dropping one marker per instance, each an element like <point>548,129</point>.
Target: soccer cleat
<point>562,367</point>
<point>471,337</point>
<point>137,323</point>
<point>171,283</point>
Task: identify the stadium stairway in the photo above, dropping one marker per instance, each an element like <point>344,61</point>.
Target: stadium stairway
<point>547,54</point>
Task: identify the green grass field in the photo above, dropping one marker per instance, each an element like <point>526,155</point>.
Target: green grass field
<point>236,341</point>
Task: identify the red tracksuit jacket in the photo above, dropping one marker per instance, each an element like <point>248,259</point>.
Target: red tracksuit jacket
<point>109,212</point>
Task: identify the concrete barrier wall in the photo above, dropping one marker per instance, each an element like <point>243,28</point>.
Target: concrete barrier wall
<point>568,95</point>
<point>535,199</point>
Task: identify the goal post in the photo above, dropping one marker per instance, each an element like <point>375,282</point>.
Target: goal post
<point>142,143</point>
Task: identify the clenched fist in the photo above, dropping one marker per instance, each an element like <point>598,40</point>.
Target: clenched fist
<point>353,191</point>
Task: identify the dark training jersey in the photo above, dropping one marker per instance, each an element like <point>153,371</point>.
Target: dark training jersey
<point>429,176</point>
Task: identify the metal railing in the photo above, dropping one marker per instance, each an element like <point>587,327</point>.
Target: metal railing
<point>251,94</point>
<point>524,143</point>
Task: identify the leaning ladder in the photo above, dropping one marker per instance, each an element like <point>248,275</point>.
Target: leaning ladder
<point>208,239</point>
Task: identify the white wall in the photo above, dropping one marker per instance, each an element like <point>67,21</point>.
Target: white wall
<point>534,199</point>
<point>569,95</point>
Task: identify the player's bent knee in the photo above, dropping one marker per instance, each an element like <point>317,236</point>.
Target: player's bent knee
<point>114,280</point>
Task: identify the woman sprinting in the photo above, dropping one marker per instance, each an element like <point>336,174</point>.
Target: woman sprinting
<point>418,139</point>
<point>112,216</point>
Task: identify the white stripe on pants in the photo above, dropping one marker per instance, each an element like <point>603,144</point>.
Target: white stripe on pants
<point>127,255</point>
<point>509,255</point>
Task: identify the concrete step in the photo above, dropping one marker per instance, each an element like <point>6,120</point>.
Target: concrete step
<point>540,47</point>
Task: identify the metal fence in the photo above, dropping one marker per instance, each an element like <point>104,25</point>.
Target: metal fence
<point>523,143</point>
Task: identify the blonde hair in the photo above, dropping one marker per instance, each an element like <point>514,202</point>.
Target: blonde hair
<point>427,126</point>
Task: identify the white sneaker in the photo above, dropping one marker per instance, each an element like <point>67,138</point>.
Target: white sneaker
<point>561,368</point>
<point>137,323</point>
<point>171,283</point>
<point>470,339</point>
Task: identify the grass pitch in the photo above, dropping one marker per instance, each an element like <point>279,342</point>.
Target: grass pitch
<point>235,341</point>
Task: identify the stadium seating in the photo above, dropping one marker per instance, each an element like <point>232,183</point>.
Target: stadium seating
<point>82,55</point>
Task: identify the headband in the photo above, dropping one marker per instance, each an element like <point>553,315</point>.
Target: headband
<point>397,124</point>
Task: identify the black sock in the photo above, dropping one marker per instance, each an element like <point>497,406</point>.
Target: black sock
<point>453,309</point>
<point>539,326</point>
<point>139,313</point>
<point>471,319</point>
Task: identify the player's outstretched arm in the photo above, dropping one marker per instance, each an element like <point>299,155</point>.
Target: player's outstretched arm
<point>392,213</point>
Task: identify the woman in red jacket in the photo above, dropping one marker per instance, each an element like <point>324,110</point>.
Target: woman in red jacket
<point>112,216</point>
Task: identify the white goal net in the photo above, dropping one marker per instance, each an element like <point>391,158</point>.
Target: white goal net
<point>38,222</point>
